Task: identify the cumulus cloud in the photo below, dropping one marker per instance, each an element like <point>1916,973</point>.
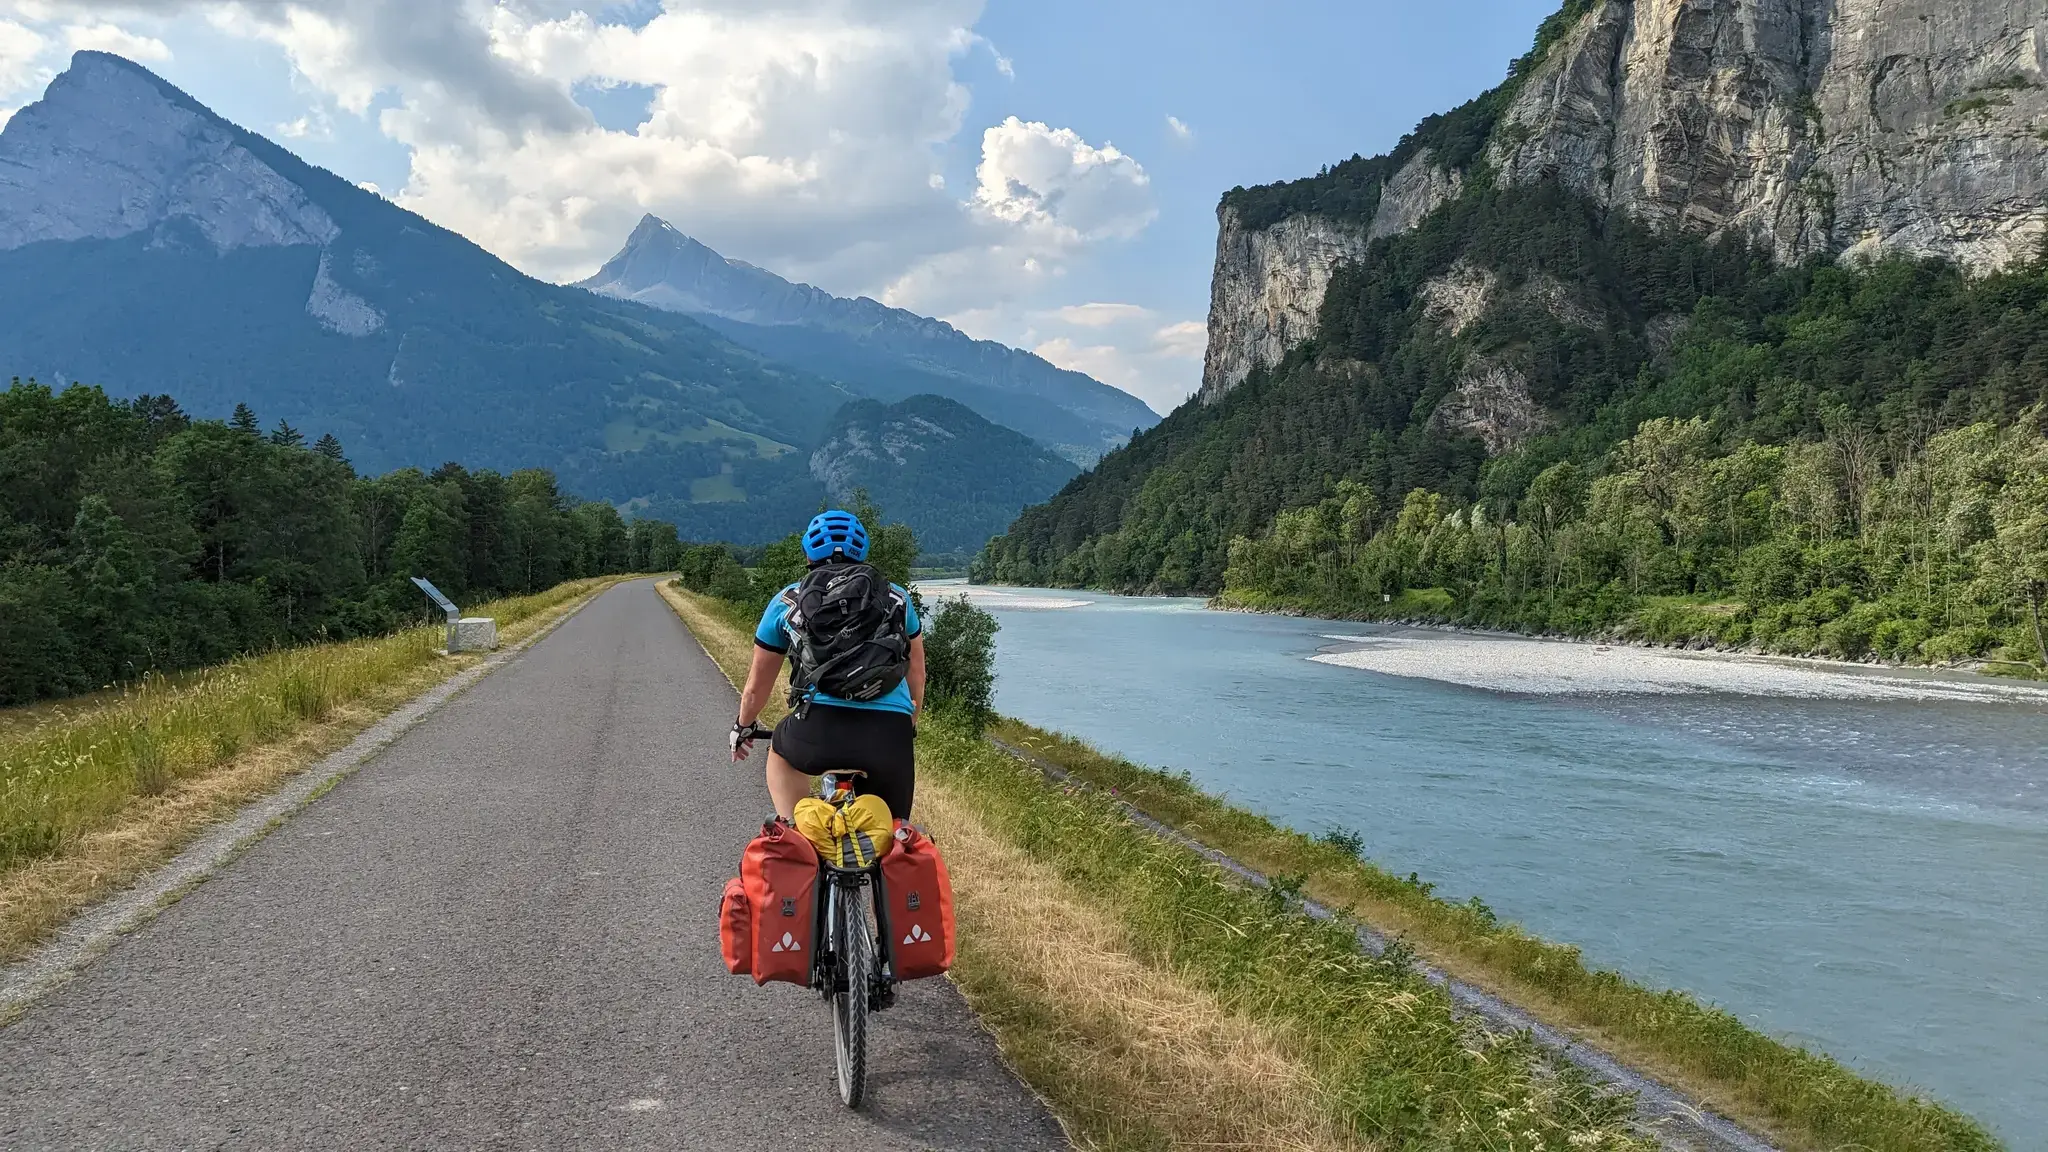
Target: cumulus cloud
<point>101,36</point>
<point>1125,345</point>
<point>1049,178</point>
<point>1186,340</point>
<point>1097,315</point>
<point>20,47</point>
<point>1179,129</point>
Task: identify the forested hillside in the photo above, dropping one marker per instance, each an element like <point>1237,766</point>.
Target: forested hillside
<point>134,538</point>
<point>1831,431</point>
<point>1840,446</point>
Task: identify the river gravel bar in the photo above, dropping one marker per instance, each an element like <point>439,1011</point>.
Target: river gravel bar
<point>1562,668</point>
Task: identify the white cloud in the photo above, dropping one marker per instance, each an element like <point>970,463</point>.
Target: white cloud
<point>1124,346</point>
<point>1049,178</point>
<point>20,46</point>
<point>1187,340</point>
<point>1098,315</point>
<point>6,114</point>
<point>101,36</point>
<point>314,125</point>
<point>1179,129</point>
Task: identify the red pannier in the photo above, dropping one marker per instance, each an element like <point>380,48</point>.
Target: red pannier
<point>918,898</point>
<point>736,927</point>
<point>771,935</point>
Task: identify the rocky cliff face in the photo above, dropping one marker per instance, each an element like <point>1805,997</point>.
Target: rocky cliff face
<point>1864,126</point>
<point>1266,291</point>
<point>1849,127</point>
<point>111,151</point>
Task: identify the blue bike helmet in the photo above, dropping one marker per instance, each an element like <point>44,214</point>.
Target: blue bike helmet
<point>835,533</point>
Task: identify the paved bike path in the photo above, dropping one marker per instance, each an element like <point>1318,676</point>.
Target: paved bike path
<point>499,933</point>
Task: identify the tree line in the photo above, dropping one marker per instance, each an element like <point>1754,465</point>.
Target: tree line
<point>1911,549</point>
<point>136,539</point>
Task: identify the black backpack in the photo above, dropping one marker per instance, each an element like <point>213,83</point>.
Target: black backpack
<point>848,635</point>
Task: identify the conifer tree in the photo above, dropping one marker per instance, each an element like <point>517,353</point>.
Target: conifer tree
<point>287,436</point>
<point>329,447</point>
<point>244,421</point>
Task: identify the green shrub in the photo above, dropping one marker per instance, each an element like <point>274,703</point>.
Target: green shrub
<point>1966,643</point>
<point>960,662</point>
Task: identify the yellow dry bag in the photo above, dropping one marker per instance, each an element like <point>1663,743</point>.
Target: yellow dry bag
<point>854,836</point>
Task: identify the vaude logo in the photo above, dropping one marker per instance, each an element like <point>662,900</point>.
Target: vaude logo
<point>912,902</point>
<point>917,935</point>
<point>789,905</point>
<point>788,943</point>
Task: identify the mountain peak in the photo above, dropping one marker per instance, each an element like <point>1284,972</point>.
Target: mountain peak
<point>653,228</point>
<point>112,150</point>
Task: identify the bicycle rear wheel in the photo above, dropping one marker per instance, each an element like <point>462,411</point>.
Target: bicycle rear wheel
<point>854,943</point>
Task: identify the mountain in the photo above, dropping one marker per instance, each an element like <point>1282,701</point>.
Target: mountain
<point>148,245</point>
<point>959,478</point>
<point>882,352</point>
<point>1782,243</point>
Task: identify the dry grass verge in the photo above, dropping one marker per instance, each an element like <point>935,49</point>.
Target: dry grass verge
<point>98,791</point>
<point>1130,1055</point>
<point>1804,1100</point>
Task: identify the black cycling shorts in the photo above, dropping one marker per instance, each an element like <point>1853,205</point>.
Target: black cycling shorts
<point>834,739</point>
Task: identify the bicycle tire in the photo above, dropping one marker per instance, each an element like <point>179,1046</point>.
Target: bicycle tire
<point>854,942</point>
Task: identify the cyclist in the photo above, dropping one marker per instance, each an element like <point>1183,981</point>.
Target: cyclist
<point>833,734</point>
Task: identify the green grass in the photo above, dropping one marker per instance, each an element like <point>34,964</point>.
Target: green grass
<point>626,436</point>
<point>1807,1100</point>
<point>72,767</point>
<point>1393,1063</point>
<point>717,489</point>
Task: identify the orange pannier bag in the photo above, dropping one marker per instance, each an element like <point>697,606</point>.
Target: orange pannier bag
<point>736,928</point>
<point>918,898</point>
<point>779,873</point>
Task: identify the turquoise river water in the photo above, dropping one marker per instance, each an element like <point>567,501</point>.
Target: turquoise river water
<point>1852,860</point>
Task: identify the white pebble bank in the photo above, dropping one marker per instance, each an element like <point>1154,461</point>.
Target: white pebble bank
<point>1556,668</point>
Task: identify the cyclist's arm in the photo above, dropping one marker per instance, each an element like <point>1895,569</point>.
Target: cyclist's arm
<point>916,676</point>
<point>761,681</point>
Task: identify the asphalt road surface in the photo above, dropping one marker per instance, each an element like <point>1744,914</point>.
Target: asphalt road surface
<point>499,933</point>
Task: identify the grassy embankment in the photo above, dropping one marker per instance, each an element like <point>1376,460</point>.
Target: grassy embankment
<point>96,791</point>
<point>1806,1101</point>
<point>1157,1004</point>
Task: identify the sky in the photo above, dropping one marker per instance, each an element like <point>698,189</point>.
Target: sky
<point>1042,173</point>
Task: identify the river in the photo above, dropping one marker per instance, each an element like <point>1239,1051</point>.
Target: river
<point>1853,860</point>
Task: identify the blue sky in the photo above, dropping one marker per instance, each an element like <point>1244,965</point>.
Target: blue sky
<point>1008,166</point>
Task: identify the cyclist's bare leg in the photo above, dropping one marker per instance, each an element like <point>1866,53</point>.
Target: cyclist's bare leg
<point>786,785</point>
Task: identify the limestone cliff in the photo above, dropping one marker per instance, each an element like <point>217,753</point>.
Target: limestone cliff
<point>1266,291</point>
<point>1840,127</point>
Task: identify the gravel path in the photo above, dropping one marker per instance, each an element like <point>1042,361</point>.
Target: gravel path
<point>499,933</point>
